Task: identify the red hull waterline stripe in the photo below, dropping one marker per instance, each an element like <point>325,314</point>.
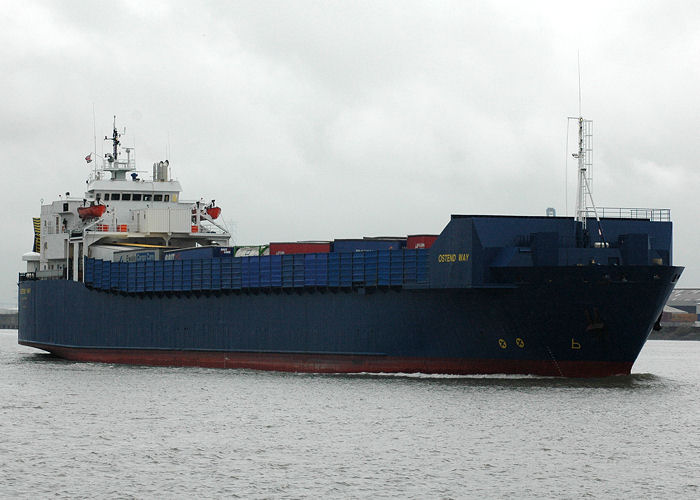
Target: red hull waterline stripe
<point>333,363</point>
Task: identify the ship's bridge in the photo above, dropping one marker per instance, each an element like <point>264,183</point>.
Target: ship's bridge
<point>108,190</point>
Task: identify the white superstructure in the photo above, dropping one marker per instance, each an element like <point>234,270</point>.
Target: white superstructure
<point>121,209</point>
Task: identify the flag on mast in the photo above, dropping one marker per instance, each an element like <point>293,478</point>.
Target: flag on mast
<point>88,158</point>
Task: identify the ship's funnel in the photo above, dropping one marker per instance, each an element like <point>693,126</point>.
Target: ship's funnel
<point>160,171</point>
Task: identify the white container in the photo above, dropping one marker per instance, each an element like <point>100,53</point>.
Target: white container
<point>253,251</point>
<point>163,220</point>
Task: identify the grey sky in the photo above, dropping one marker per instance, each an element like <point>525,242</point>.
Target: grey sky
<point>322,120</point>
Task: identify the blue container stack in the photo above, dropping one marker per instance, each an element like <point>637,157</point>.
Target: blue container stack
<point>337,269</point>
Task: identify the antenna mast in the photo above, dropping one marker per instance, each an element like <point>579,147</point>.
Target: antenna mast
<point>584,155</point>
<point>113,165</point>
<point>115,141</point>
<point>94,137</point>
<point>578,63</point>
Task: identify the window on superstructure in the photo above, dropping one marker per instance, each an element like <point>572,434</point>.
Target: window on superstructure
<point>166,197</point>
<point>146,197</point>
<point>126,197</point>
<point>106,197</point>
<point>137,197</point>
<point>115,196</point>
<point>157,197</point>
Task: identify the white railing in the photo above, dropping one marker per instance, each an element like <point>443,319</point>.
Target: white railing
<point>129,164</point>
<point>205,227</point>
<point>109,167</point>
<point>652,214</point>
<point>111,228</point>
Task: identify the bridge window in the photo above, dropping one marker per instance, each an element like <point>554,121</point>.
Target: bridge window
<point>115,197</point>
<point>126,197</point>
<point>136,197</point>
<point>106,197</point>
<point>166,197</point>
<point>157,197</point>
<point>146,197</point>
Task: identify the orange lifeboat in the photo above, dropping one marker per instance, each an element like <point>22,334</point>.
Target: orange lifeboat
<point>91,212</point>
<point>213,212</point>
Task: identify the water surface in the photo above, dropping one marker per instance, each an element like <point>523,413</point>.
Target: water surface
<point>84,430</point>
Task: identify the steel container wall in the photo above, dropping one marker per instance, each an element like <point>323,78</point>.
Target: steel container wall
<point>265,271</point>
<point>275,270</point>
<point>321,269</point>
<point>358,267</point>
<point>334,269</point>
<point>88,269</point>
<point>383,267</point>
<point>370,259</point>
<point>299,270</point>
<point>345,268</point>
<point>309,269</point>
<point>236,274</point>
<point>287,270</point>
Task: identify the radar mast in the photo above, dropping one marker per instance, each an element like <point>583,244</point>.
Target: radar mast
<point>584,156</point>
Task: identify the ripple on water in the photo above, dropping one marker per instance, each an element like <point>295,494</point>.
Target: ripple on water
<point>82,430</point>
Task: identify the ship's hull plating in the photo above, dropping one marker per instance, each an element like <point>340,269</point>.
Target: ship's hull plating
<point>329,363</point>
<point>593,327</point>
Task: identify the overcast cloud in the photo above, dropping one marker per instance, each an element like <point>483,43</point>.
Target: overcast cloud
<point>321,120</point>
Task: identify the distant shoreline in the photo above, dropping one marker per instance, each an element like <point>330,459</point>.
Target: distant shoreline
<point>676,333</point>
<point>9,321</point>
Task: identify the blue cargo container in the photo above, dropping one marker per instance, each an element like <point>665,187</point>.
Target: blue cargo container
<point>138,255</point>
<point>348,269</point>
<point>334,269</point>
<point>321,269</point>
<point>236,274</point>
<point>368,244</point>
<point>209,252</point>
<point>275,270</point>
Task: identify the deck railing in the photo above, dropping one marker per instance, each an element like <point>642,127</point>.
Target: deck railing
<point>652,214</point>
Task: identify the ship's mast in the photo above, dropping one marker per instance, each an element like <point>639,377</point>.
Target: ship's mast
<point>583,193</point>
<point>117,168</point>
<point>583,156</point>
<point>115,142</point>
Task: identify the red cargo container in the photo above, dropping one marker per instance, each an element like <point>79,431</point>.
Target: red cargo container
<point>420,241</point>
<point>300,247</point>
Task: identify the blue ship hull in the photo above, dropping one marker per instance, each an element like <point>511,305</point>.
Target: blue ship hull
<point>595,328</point>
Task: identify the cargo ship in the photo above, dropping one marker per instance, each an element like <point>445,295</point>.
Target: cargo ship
<point>131,273</point>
